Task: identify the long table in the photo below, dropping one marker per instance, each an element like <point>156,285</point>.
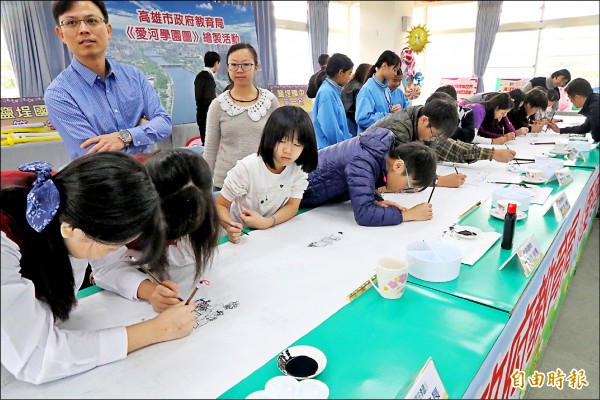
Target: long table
<point>288,285</point>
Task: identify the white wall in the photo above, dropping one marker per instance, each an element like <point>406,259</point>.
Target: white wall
<point>380,28</point>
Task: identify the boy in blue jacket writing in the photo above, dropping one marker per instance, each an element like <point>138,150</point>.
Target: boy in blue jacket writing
<point>355,168</point>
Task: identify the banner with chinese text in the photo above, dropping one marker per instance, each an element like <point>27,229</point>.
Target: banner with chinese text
<point>167,40</point>
<point>25,111</point>
<point>292,95</point>
<point>507,84</point>
<point>465,87</point>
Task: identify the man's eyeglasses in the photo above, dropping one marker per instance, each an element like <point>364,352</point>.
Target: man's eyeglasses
<point>410,188</point>
<point>432,138</point>
<point>91,22</point>
<point>245,67</point>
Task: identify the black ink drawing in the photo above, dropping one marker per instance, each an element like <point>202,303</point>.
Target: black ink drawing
<point>207,312</point>
<point>327,240</point>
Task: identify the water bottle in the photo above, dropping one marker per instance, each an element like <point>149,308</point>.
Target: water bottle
<point>508,233</point>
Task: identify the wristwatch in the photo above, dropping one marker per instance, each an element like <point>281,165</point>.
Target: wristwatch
<point>125,136</point>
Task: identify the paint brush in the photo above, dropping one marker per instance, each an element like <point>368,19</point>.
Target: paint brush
<point>516,160</point>
<point>431,194</point>
<point>550,120</point>
<point>157,279</point>
<point>233,226</point>
<point>195,290</point>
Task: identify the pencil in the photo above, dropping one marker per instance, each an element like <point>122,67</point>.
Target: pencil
<point>361,289</point>
<point>543,142</point>
<point>455,169</point>
<point>431,194</point>
<point>156,278</point>
<point>233,226</point>
<point>474,206</point>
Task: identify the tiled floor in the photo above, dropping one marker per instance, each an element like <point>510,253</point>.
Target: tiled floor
<point>573,342</point>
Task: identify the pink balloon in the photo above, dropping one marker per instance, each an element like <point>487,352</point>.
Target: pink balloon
<point>564,103</point>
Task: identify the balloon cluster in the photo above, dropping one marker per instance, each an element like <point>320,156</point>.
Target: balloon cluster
<point>411,80</point>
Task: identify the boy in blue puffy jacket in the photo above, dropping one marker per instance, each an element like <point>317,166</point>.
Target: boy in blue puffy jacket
<point>355,168</point>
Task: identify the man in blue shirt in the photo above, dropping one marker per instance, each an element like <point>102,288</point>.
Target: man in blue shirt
<point>97,105</point>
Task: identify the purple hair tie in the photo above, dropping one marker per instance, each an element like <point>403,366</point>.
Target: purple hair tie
<point>43,199</point>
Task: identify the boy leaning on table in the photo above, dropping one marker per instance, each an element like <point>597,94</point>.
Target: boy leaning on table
<point>434,123</point>
<point>581,95</point>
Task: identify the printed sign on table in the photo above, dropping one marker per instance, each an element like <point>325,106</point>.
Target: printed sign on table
<point>529,254</point>
<point>465,87</point>
<point>427,385</point>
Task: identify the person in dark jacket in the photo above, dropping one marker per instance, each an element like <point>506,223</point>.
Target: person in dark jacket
<point>535,100</point>
<point>581,95</point>
<point>356,168</point>
<point>349,93</point>
<point>205,89</point>
<point>558,79</point>
<point>314,83</point>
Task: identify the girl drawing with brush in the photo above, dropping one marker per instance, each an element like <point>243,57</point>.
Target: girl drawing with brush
<point>184,184</point>
<point>264,189</point>
<point>52,226</point>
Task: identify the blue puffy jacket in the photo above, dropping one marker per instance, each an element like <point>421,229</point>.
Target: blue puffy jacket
<point>349,170</point>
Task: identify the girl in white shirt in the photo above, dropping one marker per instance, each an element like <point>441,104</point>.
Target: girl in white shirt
<point>50,231</point>
<point>184,184</point>
<point>265,188</point>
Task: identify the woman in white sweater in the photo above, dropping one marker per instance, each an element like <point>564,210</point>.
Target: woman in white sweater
<point>236,118</point>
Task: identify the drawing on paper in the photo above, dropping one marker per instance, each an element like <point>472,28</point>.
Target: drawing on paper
<point>208,312</point>
<point>327,240</point>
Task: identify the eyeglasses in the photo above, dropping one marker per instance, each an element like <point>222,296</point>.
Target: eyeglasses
<point>245,67</point>
<point>410,188</point>
<point>433,136</point>
<point>92,22</point>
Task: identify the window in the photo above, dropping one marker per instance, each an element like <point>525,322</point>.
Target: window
<point>559,9</point>
<point>505,62</point>
<point>342,39</point>
<point>294,65</point>
<point>521,11</point>
<point>535,38</point>
<point>8,80</point>
<point>290,10</point>
<point>444,59</point>
<point>452,16</point>
<point>574,48</point>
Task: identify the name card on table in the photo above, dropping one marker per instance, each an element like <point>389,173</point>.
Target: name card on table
<point>564,176</point>
<point>562,204</point>
<point>574,154</point>
<point>529,254</point>
<point>427,385</point>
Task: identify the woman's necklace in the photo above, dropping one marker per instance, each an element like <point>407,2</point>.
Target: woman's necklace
<point>246,101</point>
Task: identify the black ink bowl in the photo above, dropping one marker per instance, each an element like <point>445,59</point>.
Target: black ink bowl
<point>301,362</point>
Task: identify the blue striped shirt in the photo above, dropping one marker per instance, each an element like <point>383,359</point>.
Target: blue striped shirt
<point>329,116</point>
<point>372,103</point>
<point>82,104</point>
